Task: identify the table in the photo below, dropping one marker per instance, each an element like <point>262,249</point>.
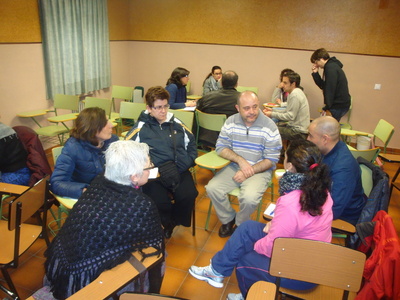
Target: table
<point>7,190</point>
<point>211,161</point>
<point>63,118</point>
<point>396,159</point>
<point>14,189</point>
<point>68,203</point>
<point>350,132</point>
<point>33,114</point>
<point>193,97</point>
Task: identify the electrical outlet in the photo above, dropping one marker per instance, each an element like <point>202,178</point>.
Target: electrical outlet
<point>377,86</point>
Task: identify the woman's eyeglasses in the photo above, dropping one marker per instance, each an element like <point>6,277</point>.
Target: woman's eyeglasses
<point>149,168</point>
<point>161,107</point>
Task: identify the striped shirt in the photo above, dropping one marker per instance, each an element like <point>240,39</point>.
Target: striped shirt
<point>255,143</point>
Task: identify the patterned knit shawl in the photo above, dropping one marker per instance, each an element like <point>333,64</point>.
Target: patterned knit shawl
<point>290,182</point>
<point>108,222</point>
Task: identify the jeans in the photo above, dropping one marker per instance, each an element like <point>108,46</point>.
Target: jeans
<point>338,113</point>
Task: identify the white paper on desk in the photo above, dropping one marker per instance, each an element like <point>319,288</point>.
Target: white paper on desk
<point>153,173</point>
<point>190,108</point>
<point>270,210</point>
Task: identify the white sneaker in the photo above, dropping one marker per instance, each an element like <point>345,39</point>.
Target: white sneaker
<point>235,296</point>
<point>207,274</point>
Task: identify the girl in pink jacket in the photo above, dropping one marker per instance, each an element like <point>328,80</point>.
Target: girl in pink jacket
<point>304,210</point>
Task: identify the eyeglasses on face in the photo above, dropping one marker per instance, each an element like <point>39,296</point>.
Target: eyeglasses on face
<point>161,107</point>
<point>149,168</point>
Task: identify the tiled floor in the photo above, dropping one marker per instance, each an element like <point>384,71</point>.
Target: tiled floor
<point>183,251</point>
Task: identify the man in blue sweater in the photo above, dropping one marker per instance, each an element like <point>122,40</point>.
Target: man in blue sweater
<point>346,190</point>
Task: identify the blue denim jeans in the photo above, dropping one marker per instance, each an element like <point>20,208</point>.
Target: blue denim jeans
<point>250,265</point>
<point>338,113</point>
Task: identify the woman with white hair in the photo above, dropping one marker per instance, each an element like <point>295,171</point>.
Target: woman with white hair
<point>111,219</point>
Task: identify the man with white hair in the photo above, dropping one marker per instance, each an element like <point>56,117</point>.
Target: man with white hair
<point>346,190</point>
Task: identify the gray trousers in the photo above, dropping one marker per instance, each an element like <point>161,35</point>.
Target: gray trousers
<point>251,192</point>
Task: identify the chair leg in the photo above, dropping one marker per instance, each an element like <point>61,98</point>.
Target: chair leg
<point>194,221</point>
<point>12,292</point>
<point>208,216</point>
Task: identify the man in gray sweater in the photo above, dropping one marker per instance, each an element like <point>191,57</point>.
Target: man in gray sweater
<point>297,113</point>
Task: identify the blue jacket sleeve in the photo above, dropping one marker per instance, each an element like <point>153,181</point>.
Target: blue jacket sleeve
<point>173,96</point>
<point>61,180</point>
<point>342,189</point>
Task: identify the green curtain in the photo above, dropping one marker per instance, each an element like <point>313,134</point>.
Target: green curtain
<point>76,46</point>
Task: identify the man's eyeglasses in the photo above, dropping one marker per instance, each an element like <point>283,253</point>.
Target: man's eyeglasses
<point>161,107</point>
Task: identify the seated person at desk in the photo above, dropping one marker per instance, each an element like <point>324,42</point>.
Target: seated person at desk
<point>82,157</point>
<point>169,141</point>
<point>279,96</point>
<point>347,191</point>
<point>176,87</point>
<point>213,80</point>
<point>252,143</point>
<point>219,102</point>
<point>304,210</point>
<point>109,222</point>
<point>13,156</point>
<point>297,113</point>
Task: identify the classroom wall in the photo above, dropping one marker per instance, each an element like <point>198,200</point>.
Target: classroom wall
<point>153,62</point>
<point>356,26</point>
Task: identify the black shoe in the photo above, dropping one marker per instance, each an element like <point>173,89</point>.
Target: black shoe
<point>168,230</point>
<point>227,229</point>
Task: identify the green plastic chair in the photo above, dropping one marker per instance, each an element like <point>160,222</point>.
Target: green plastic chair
<point>370,154</point>
<point>131,111</point>
<point>59,220</point>
<point>247,88</point>
<point>384,131</point>
<point>67,102</point>
<point>121,92</point>
<point>188,86</point>
<point>208,121</point>
<point>185,116</point>
<point>99,102</point>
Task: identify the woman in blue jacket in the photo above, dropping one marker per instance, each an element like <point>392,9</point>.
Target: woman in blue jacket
<point>176,87</point>
<point>169,140</point>
<point>82,157</point>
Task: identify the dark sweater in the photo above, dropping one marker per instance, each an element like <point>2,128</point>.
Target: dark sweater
<point>108,222</point>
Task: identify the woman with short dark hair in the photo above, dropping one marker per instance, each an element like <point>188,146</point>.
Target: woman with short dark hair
<point>82,157</point>
<point>170,142</point>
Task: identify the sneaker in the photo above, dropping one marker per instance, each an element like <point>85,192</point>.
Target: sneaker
<point>232,296</point>
<point>207,274</point>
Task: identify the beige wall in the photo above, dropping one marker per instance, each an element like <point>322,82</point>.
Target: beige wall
<point>152,63</point>
<point>22,84</point>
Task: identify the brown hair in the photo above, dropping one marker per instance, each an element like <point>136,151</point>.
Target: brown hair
<point>307,159</point>
<point>318,54</point>
<point>156,93</point>
<point>90,121</point>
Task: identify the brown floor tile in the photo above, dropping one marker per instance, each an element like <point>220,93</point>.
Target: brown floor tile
<point>183,236</point>
<point>181,257</point>
<point>214,243</point>
<point>173,279</point>
<point>195,289</point>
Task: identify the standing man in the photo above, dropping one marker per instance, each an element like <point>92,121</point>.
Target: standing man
<point>333,83</point>
<point>252,143</point>
<point>219,102</point>
<point>297,112</point>
<point>347,191</point>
